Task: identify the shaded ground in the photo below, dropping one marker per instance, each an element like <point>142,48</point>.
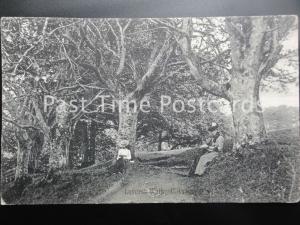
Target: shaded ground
<point>260,175</point>
<point>150,184</point>
<point>66,188</point>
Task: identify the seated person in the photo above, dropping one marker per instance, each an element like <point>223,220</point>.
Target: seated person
<point>214,146</point>
<point>124,153</point>
<point>123,157</point>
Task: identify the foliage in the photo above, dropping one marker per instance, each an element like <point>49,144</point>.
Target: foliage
<point>263,174</point>
<point>126,59</point>
<point>67,188</point>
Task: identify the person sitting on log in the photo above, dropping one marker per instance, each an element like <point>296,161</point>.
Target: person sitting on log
<point>214,146</point>
<point>123,157</point>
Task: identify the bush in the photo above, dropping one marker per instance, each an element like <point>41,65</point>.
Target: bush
<point>251,175</point>
<point>16,190</point>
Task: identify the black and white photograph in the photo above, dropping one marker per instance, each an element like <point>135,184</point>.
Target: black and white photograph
<point>150,110</point>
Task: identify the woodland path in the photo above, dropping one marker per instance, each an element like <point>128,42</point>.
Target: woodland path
<point>151,184</point>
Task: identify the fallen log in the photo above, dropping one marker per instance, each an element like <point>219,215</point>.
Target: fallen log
<point>163,155</point>
<point>96,167</point>
<point>169,162</point>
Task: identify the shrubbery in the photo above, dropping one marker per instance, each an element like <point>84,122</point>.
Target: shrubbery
<point>262,174</point>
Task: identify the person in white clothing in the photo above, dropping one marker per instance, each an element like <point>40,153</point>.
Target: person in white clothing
<point>123,157</point>
<point>125,153</point>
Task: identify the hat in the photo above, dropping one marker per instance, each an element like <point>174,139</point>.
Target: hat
<point>213,126</point>
<point>124,143</point>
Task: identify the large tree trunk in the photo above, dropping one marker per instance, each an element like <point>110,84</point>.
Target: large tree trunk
<point>51,145</point>
<point>246,42</point>
<point>30,142</point>
<point>127,126</point>
<point>60,139</point>
<point>58,144</point>
<point>246,110</point>
<point>56,139</point>
<point>37,146</point>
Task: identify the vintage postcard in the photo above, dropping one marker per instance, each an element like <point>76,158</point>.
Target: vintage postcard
<point>150,110</point>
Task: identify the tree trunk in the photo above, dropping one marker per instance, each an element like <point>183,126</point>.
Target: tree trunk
<point>93,134</point>
<point>246,43</point>
<point>59,156</point>
<point>246,110</point>
<point>58,144</point>
<point>24,148</point>
<point>87,147</point>
<point>51,145</point>
<point>127,126</point>
<point>37,146</point>
<point>159,141</point>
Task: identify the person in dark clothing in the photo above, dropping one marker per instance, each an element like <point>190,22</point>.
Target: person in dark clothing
<point>213,146</point>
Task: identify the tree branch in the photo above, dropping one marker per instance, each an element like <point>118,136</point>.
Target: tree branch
<point>272,58</point>
<point>98,34</point>
<point>122,48</point>
<point>208,85</point>
<point>22,126</point>
<point>140,90</point>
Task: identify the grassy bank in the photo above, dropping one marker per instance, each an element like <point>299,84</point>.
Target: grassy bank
<point>67,187</point>
<point>263,174</point>
<point>268,173</point>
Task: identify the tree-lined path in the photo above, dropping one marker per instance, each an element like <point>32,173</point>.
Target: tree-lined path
<point>150,185</point>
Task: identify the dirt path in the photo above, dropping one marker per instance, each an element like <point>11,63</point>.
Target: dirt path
<point>149,184</point>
